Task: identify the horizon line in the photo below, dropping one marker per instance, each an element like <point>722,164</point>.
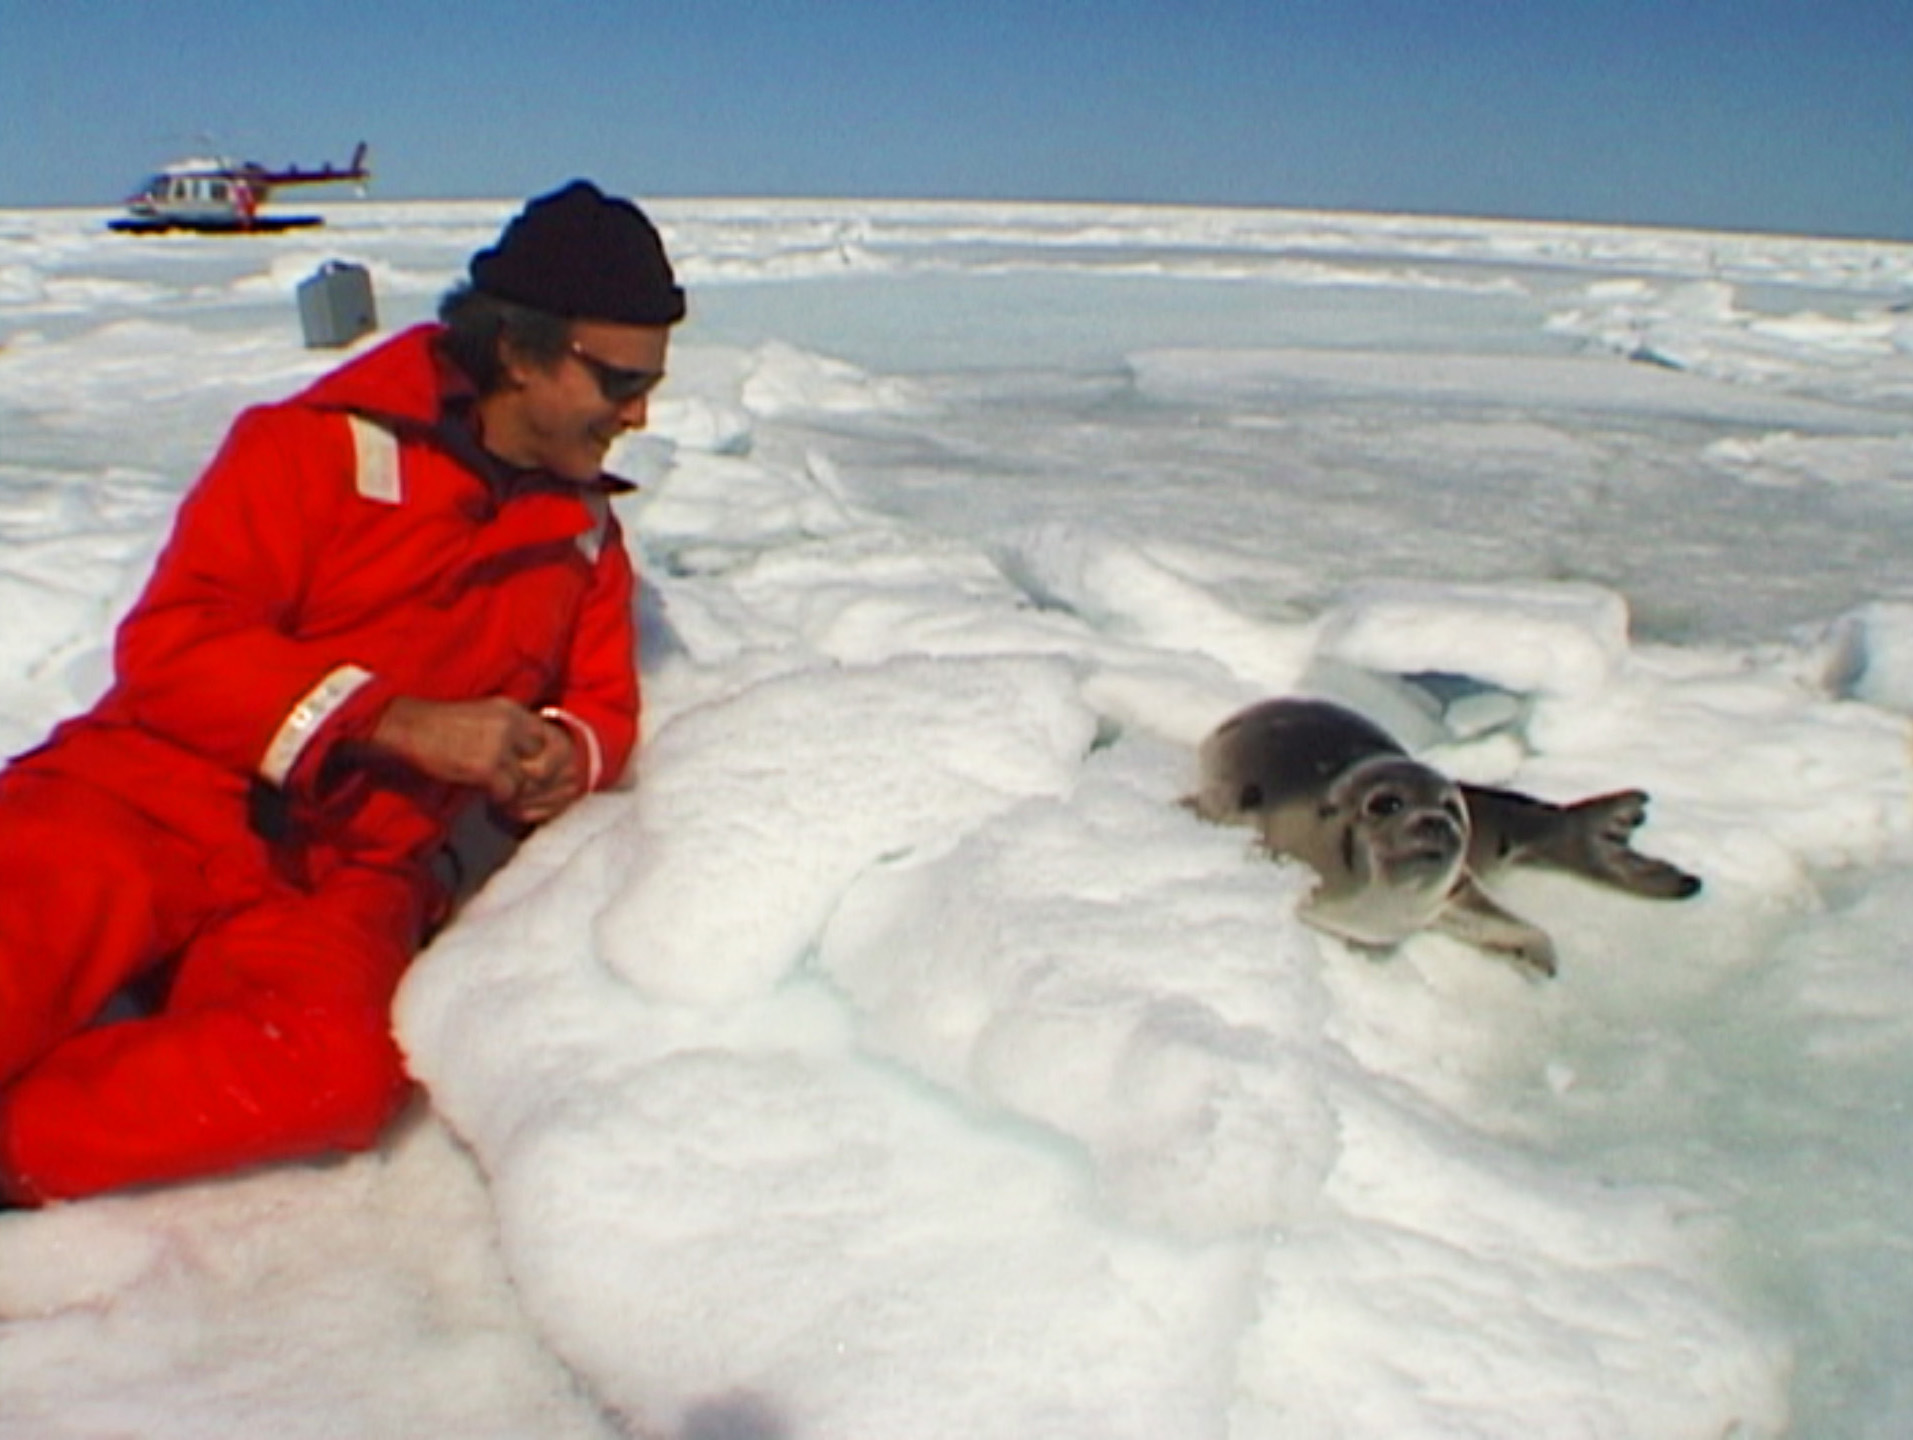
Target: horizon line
<point>1350,210</point>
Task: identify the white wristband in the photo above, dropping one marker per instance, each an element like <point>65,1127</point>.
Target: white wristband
<point>594,754</point>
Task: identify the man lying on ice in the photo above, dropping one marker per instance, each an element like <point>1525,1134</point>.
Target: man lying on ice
<point>394,595</point>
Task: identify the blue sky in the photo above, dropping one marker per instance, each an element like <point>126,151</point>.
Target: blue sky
<point>1787,115</point>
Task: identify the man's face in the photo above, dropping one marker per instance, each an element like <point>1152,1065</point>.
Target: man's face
<point>562,417</point>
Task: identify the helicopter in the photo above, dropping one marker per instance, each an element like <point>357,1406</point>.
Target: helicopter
<point>224,197</point>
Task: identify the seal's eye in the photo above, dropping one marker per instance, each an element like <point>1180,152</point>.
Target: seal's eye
<point>1382,804</point>
<point>1250,798</point>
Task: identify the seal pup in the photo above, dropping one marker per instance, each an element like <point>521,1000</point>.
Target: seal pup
<point>1398,846</point>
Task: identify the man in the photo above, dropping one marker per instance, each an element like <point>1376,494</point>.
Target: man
<point>398,593</point>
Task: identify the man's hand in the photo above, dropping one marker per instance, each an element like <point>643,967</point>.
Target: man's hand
<point>553,777</point>
<point>527,765</point>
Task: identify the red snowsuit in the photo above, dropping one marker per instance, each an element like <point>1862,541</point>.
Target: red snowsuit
<point>213,810</point>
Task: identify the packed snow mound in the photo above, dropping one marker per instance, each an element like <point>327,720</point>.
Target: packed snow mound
<point>889,761</point>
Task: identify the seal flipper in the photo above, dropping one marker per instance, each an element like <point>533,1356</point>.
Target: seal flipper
<point>1594,841</point>
<point>1472,917</point>
<point>1589,838</point>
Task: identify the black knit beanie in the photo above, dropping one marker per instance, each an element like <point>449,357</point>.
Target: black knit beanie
<point>582,255</point>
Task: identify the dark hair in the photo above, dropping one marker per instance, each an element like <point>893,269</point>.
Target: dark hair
<point>478,327</point>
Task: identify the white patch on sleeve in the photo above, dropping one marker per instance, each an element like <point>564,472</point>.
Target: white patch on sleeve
<point>319,704</point>
<point>376,451</point>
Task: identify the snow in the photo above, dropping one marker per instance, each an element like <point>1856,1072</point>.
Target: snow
<point>894,1056</point>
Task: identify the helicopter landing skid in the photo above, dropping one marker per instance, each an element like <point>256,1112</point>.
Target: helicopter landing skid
<point>259,225</point>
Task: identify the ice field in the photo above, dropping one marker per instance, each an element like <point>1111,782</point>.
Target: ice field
<point>894,1057</point>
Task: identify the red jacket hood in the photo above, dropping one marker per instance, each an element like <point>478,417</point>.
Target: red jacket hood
<point>403,379</point>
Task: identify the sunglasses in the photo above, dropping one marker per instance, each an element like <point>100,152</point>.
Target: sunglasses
<point>618,385</point>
